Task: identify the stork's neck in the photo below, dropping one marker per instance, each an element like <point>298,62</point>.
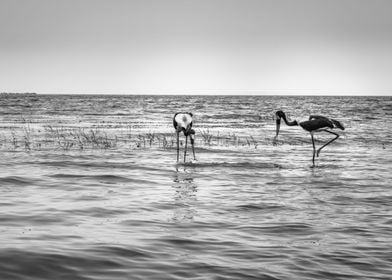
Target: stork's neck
<point>292,123</point>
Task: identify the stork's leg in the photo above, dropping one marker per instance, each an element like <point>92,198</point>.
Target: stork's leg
<point>186,144</point>
<point>178,145</point>
<point>329,142</point>
<point>314,147</point>
<point>193,148</point>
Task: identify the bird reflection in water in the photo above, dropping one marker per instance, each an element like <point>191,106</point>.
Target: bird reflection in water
<point>184,195</point>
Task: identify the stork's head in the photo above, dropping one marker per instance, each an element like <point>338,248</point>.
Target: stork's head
<point>337,124</point>
<point>279,115</point>
<point>189,132</point>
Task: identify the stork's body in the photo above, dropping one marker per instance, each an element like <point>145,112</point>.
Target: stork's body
<point>183,122</point>
<point>314,124</point>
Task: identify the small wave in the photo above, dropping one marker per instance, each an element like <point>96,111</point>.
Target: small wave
<point>108,177</point>
<point>214,149</point>
<point>36,220</point>
<point>97,212</point>
<point>104,177</point>
<point>326,166</point>
<point>16,180</point>
<point>378,200</point>
<point>283,229</point>
<point>237,165</point>
<point>97,164</point>
<point>260,206</point>
<point>121,251</point>
<point>22,264</point>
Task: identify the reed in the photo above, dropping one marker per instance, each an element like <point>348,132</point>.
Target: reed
<point>26,136</point>
<point>207,136</point>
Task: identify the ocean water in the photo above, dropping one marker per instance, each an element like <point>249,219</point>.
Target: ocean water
<point>90,189</point>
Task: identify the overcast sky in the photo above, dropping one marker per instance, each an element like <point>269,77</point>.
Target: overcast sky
<point>196,46</point>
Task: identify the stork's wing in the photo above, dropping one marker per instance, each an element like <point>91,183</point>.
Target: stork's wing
<point>175,124</point>
<point>318,117</point>
<point>316,123</point>
<point>182,120</point>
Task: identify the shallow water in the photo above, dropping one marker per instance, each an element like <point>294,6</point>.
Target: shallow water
<point>241,211</point>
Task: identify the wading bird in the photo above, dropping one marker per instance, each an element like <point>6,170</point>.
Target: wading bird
<point>314,124</point>
<point>183,122</point>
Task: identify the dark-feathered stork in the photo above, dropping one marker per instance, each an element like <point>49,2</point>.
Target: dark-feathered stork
<point>314,124</point>
<point>183,122</point>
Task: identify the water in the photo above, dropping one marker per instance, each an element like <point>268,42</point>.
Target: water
<point>117,206</point>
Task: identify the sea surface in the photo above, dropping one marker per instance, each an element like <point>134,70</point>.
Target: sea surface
<point>90,189</point>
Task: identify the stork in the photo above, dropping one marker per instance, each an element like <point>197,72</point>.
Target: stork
<point>183,122</point>
<point>315,124</point>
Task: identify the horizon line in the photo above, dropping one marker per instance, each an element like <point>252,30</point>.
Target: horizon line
<point>213,93</point>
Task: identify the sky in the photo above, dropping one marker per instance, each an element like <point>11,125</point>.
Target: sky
<point>196,46</point>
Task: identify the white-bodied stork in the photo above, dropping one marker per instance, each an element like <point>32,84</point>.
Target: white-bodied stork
<point>314,124</point>
<point>183,122</point>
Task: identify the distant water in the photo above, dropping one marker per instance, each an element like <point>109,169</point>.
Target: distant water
<point>246,209</point>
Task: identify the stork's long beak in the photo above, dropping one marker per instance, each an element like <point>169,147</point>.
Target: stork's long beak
<point>277,126</point>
